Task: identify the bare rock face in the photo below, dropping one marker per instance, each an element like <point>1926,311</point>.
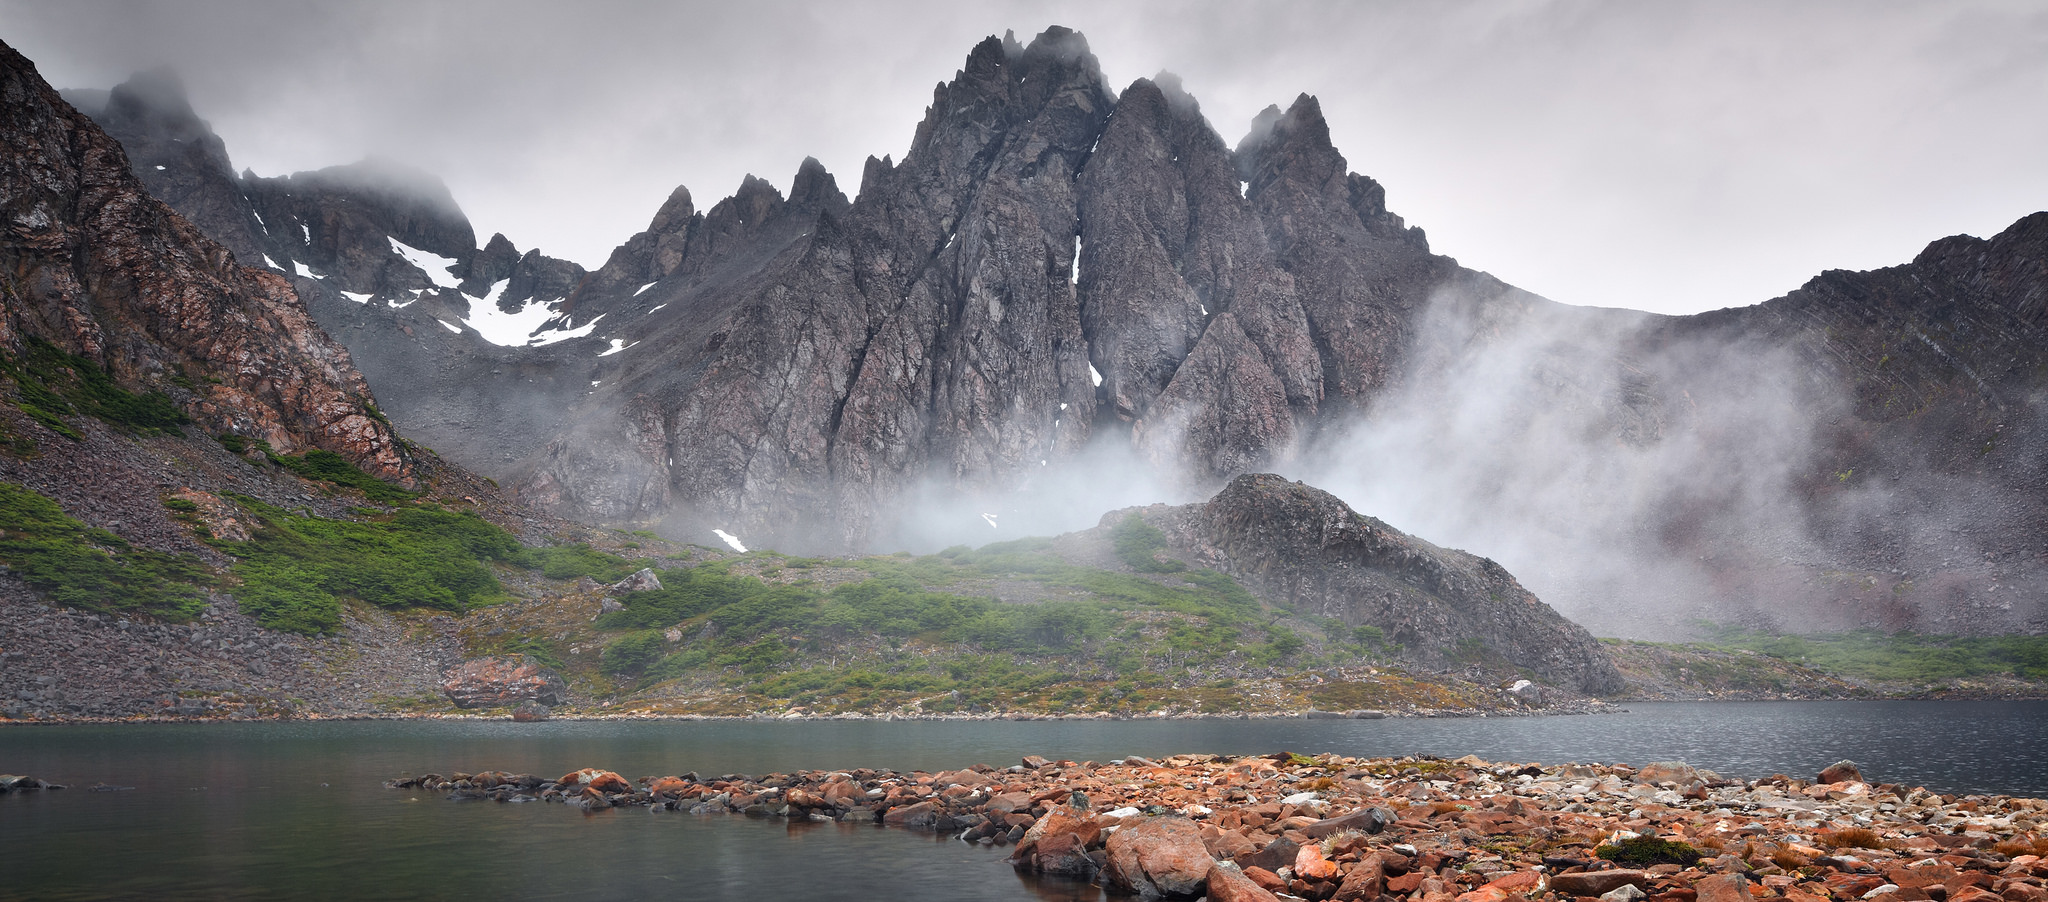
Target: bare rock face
<point>181,160</point>
<point>102,269</point>
<point>338,231</point>
<point>500,680</point>
<point>1292,542</point>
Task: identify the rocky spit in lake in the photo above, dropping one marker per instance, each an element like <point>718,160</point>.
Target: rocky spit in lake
<point>1421,829</point>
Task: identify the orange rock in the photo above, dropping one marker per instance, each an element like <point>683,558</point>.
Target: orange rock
<point>669,786</point>
<point>1724,888</point>
<point>1517,882</point>
<point>1266,879</point>
<point>1365,881</point>
<point>592,778</point>
<point>1227,884</point>
<point>1484,894</point>
<point>1158,856</point>
<point>1309,864</point>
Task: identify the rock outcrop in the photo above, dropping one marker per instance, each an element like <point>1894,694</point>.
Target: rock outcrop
<point>499,680</point>
<point>388,264</point>
<point>98,267</point>
<point>1301,547</point>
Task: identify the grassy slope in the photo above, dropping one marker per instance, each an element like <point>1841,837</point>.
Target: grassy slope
<point>1013,626</point>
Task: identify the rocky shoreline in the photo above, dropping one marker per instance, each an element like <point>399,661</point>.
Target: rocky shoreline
<point>1419,829</point>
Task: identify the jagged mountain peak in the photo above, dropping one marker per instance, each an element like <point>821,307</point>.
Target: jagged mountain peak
<point>675,213</point>
<point>401,186</point>
<point>155,99</point>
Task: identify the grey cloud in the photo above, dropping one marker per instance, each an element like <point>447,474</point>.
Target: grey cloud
<point>1671,157</point>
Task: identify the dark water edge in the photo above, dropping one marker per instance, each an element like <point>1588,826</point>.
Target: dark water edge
<point>270,810</point>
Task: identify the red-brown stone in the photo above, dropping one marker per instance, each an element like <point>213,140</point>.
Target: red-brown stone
<point>1158,856</point>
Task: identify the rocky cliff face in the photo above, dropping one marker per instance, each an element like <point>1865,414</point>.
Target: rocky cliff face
<point>388,263</point>
<point>1050,266</point>
<point>1301,547</point>
<point>97,266</point>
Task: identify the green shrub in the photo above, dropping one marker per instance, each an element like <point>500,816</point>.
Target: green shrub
<point>574,562</point>
<point>1647,851</point>
<point>632,654</point>
<point>295,569</point>
<point>54,383</point>
<point>1138,544</point>
<point>94,569</point>
<point>321,465</point>
<point>1909,657</point>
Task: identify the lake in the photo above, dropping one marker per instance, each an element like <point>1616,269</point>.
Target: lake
<point>273,810</point>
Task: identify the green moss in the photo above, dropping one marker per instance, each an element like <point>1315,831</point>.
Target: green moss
<point>1646,851</point>
<point>93,569</point>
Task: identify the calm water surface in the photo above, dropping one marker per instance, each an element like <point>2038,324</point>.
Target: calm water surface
<point>277,810</point>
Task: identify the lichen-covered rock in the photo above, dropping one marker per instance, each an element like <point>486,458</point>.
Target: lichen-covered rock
<point>499,680</point>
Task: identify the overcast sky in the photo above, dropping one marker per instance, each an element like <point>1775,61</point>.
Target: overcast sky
<point>1666,156</point>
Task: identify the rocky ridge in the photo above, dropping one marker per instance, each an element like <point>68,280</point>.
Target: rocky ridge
<point>101,269</point>
<point>1302,547</point>
<point>1421,829</point>
<point>388,264</point>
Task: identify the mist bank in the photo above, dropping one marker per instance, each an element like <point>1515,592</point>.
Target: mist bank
<point>1066,299</point>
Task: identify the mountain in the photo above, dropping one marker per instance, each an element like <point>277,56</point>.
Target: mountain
<point>387,262</point>
<point>1066,298</point>
<point>99,269</point>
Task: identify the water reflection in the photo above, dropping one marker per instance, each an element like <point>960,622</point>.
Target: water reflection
<point>239,811</point>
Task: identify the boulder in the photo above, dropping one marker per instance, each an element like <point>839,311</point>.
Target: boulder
<point>498,680</point>
<point>1158,857</point>
<point>921,816</point>
<point>1526,692</point>
<point>1677,772</point>
<point>1722,888</point>
<point>1627,892</point>
<point>1843,771</point>
<point>1364,820</point>
<point>1276,855</point>
<point>592,778</point>
<point>1597,883</point>
<point>1062,853</point>
<point>1228,884</point>
<point>1365,881</point>
<point>642,581</point>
